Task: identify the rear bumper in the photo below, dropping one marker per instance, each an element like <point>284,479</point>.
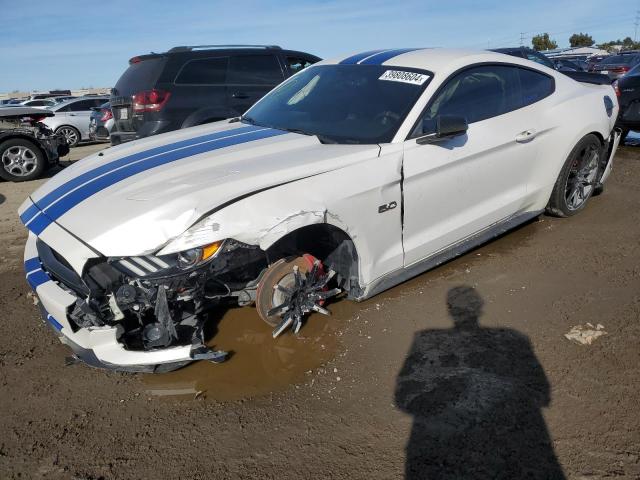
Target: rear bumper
<point>614,142</point>
<point>96,346</point>
<point>145,129</point>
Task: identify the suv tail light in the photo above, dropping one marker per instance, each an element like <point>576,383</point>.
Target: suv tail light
<point>620,69</point>
<point>616,88</point>
<point>150,100</point>
<point>106,115</point>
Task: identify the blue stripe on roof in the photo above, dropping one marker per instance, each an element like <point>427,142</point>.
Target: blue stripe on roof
<point>31,264</point>
<point>382,57</point>
<point>359,56</point>
<point>54,195</point>
<point>54,322</point>
<point>58,209</point>
<point>37,278</point>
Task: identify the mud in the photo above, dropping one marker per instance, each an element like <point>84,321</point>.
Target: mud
<point>463,372</point>
<point>257,365</point>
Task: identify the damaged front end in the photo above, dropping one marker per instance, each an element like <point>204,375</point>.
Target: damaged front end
<point>156,302</point>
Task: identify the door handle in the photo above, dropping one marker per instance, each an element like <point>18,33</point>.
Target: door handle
<point>72,114</point>
<point>526,136</point>
<point>240,95</point>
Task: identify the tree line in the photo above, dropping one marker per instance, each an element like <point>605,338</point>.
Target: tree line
<point>544,42</point>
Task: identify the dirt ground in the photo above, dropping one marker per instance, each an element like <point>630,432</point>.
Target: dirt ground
<point>463,372</point>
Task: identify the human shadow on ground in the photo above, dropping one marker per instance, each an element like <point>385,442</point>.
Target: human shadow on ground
<point>476,395</point>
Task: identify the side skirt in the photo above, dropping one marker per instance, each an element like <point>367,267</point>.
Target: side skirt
<point>401,275</point>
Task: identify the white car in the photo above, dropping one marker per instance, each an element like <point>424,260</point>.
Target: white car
<point>353,175</point>
<point>72,118</point>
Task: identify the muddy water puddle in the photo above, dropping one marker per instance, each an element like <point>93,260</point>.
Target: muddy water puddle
<point>258,364</point>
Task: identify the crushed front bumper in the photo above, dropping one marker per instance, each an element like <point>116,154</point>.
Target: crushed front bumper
<point>96,346</point>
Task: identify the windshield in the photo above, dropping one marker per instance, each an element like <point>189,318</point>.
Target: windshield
<point>342,103</point>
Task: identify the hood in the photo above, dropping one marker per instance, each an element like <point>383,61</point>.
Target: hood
<point>134,198</point>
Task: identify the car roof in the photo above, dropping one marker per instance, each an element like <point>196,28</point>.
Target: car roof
<point>77,99</point>
<point>431,59</point>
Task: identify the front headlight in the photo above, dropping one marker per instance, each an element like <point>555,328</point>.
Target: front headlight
<point>158,266</point>
<point>205,232</point>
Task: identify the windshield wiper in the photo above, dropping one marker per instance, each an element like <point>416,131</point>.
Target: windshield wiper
<point>248,120</point>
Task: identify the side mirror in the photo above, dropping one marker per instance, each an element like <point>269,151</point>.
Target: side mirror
<point>447,126</point>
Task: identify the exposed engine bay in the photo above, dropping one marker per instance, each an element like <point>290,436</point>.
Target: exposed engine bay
<point>157,302</point>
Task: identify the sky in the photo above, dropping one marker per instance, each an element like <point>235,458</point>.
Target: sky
<point>84,43</point>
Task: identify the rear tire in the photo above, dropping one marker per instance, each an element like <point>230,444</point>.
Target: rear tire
<point>21,160</point>
<point>71,134</point>
<point>280,272</point>
<point>578,178</point>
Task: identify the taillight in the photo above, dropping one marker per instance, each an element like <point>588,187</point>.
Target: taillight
<point>620,69</point>
<point>616,88</point>
<point>150,100</point>
<point>106,115</point>
<point>133,60</point>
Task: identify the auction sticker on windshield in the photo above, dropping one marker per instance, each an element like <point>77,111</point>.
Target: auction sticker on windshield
<point>404,77</point>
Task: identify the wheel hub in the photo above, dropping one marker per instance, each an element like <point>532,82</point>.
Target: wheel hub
<point>19,161</point>
<point>299,294</point>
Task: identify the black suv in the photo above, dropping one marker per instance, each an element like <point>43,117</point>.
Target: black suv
<point>189,86</point>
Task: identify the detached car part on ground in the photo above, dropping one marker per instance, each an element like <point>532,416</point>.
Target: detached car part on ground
<point>352,176</point>
<point>27,147</point>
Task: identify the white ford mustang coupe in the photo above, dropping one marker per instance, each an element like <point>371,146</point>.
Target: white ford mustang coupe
<point>352,176</point>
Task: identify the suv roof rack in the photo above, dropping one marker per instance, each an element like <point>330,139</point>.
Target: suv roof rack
<point>188,48</point>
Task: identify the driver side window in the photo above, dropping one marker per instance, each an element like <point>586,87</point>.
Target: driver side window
<point>476,94</point>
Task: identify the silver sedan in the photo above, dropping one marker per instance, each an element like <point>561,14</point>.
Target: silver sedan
<point>72,118</point>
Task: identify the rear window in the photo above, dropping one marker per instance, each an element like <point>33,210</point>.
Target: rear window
<point>254,70</point>
<point>139,76</point>
<point>203,71</point>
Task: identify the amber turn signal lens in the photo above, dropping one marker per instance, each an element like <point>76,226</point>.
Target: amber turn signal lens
<point>210,250</point>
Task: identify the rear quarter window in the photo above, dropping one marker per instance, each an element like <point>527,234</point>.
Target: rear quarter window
<point>535,86</point>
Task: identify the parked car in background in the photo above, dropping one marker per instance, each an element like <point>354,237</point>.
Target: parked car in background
<point>7,101</point>
<point>628,91</point>
<point>63,99</point>
<point>189,86</point>
<point>39,103</point>
<point>563,64</point>
<point>101,123</point>
<point>537,57</point>
<point>27,147</point>
<point>528,53</point>
<point>49,94</point>
<point>72,118</point>
<point>616,66</point>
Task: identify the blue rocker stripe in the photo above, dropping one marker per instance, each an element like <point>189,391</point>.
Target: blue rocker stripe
<point>352,60</point>
<point>382,57</point>
<point>58,209</point>
<point>54,195</point>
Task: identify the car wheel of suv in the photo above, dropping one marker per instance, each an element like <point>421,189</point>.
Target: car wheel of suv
<point>578,178</point>
<point>71,134</point>
<point>20,160</point>
<point>280,273</point>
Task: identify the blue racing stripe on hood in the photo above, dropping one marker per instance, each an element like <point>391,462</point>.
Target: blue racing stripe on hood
<point>58,208</point>
<point>382,57</point>
<point>54,195</point>
<point>359,56</point>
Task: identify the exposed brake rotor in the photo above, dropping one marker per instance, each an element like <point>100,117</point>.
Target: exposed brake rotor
<point>307,294</point>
